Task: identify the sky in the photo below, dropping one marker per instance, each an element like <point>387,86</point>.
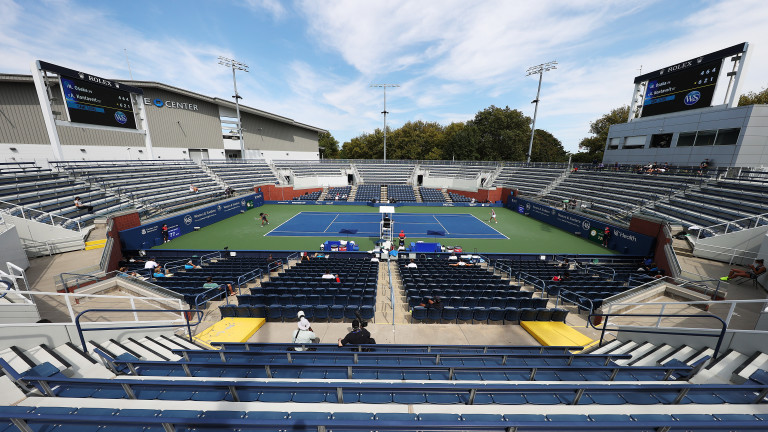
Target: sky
<point>314,60</point>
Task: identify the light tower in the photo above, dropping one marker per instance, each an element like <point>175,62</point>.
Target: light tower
<point>236,65</point>
<point>539,69</point>
<point>384,86</point>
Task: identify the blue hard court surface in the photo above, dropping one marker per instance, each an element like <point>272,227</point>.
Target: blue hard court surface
<point>322,224</point>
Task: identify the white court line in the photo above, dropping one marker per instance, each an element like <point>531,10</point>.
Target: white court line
<point>438,222</point>
<point>489,226</point>
<point>277,227</point>
<point>329,225</point>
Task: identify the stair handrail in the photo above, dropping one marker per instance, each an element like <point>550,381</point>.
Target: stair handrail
<point>523,275</point>
<point>24,210</point>
<point>604,320</point>
<point>578,305</point>
<point>7,288</point>
<point>712,228</point>
<point>186,313</point>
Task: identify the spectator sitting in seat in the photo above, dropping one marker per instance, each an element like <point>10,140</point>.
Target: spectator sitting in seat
<point>150,264</point>
<point>80,206</point>
<point>357,336</point>
<point>193,188</point>
<point>461,264</point>
<point>189,265</point>
<point>566,276</point>
<point>565,264</point>
<point>453,257</point>
<point>304,334</point>
<point>753,273</point>
<point>431,303</point>
<point>412,265</point>
<point>210,284</point>
<point>328,275</point>
<point>123,272</point>
<point>160,272</point>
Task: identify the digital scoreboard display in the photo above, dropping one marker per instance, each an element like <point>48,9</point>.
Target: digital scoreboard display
<point>691,88</point>
<point>92,103</point>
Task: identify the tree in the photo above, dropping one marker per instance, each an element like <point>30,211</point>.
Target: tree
<point>329,145</point>
<point>547,148</point>
<point>594,146</point>
<point>416,140</point>
<point>502,133</point>
<point>365,146</point>
<point>753,98</point>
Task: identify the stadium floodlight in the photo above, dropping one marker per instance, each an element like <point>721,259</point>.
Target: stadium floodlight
<point>236,65</point>
<point>533,70</point>
<point>385,112</point>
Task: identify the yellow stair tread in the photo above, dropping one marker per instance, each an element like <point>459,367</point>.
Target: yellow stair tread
<point>230,330</point>
<point>550,333</point>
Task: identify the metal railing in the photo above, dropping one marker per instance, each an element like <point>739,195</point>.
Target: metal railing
<point>39,216</point>
<point>185,316</point>
<point>604,317</point>
<point>564,295</point>
<point>734,225</point>
<point>533,280</point>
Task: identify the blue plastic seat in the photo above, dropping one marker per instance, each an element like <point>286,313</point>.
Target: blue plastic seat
<point>527,314</point>
<point>511,315</point>
<point>349,312</point>
<point>543,314</point>
<point>465,314</point>
<point>559,315</point>
<point>337,312</point>
<point>228,311</point>
<point>419,313</point>
<point>449,314</point>
<point>275,312</point>
<point>496,314</point>
<point>480,314</point>
<point>321,312</point>
<point>367,312</point>
<point>434,314</point>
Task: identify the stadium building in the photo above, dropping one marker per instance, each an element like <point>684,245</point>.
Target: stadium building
<point>196,287</point>
<point>182,125</point>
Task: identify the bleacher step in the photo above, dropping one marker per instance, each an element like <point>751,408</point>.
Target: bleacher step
<point>651,357</point>
<point>721,370</point>
<point>81,366</point>
<point>638,352</point>
<point>756,361</point>
<point>610,346</point>
<point>10,394</point>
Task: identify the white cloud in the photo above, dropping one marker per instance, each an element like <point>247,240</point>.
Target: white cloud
<point>273,7</point>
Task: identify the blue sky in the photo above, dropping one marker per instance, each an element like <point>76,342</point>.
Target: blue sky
<point>314,60</point>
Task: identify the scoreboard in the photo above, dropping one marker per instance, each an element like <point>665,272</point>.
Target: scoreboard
<point>92,103</point>
<point>688,89</point>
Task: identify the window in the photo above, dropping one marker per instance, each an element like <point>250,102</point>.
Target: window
<point>661,140</point>
<point>613,143</point>
<point>727,136</point>
<point>705,138</point>
<point>634,142</point>
<point>686,139</point>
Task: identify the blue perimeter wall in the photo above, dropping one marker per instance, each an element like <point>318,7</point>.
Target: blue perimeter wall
<point>398,204</point>
<point>148,235</point>
<point>622,240</point>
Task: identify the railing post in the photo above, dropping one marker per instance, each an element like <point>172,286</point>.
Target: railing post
<point>133,307</point>
<point>661,313</point>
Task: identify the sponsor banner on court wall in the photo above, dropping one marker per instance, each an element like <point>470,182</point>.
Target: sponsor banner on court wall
<point>408,204</point>
<point>621,239</point>
<point>149,235</point>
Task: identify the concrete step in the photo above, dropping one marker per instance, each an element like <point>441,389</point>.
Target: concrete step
<point>610,346</point>
<point>652,357</point>
<point>82,365</point>
<point>682,353</point>
<point>758,360</point>
<point>16,361</point>
<point>146,352</point>
<point>721,370</point>
<point>9,392</point>
<point>40,355</point>
<point>154,345</point>
<point>637,352</point>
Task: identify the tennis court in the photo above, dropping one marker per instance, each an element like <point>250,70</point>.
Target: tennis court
<point>318,224</point>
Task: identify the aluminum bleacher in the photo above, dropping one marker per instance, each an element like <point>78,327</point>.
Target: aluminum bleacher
<point>242,175</point>
<point>460,171</point>
<point>325,168</point>
<point>385,173</point>
<point>527,180</point>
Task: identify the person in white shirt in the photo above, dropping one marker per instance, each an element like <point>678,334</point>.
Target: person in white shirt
<point>304,334</point>
<point>453,257</point>
<point>328,275</point>
<point>412,265</point>
<point>150,264</point>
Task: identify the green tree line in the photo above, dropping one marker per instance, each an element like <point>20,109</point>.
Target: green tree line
<point>493,134</point>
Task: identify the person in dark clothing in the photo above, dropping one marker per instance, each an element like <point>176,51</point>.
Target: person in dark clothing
<point>164,230</point>
<point>357,336</point>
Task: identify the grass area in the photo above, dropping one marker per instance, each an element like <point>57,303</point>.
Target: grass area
<point>244,232</point>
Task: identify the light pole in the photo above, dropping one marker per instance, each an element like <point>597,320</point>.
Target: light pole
<point>236,65</point>
<point>384,86</point>
<point>539,69</point>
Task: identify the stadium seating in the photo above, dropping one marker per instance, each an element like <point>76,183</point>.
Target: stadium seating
<point>311,196</point>
<point>527,180</point>
<point>459,171</point>
<point>385,173</point>
<point>456,197</point>
<point>45,194</point>
<point>338,193</point>
<point>242,175</point>
<point>400,193</point>
<point>368,192</point>
<point>324,168</point>
<point>162,186</point>
<point>302,287</point>
<point>431,195</point>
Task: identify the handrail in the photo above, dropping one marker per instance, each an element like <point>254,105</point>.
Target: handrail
<point>711,228</point>
<point>605,318</point>
<point>198,303</point>
<point>245,278</point>
<point>578,305</point>
<point>7,288</point>
<point>24,210</point>
<point>391,293</point>
<point>528,275</point>
<point>185,313</point>
<point>588,268</point>
<point>209,256</point>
